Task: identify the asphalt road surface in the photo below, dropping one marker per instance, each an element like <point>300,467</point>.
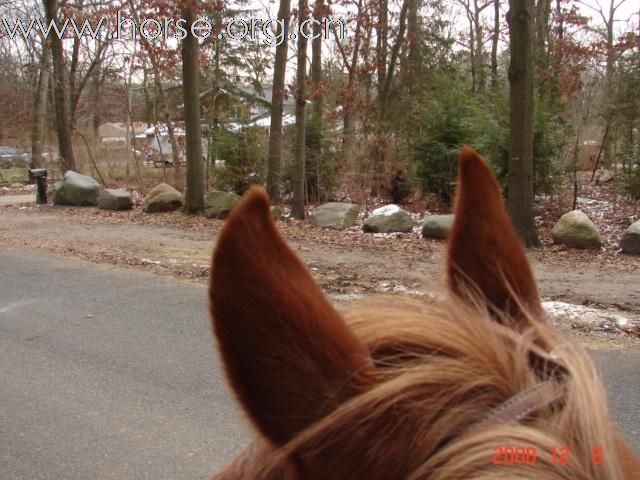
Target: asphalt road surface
<point>112,374</point>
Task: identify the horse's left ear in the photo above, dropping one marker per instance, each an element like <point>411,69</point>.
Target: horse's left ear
<point>485,254</point>
<point>289,356</point>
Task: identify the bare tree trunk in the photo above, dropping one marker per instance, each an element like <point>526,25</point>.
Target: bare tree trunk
<point>382,38</point>
<point>315,136</point>
<point>495,38</point>
<point>61,93</point>
<point>385,77</point>
<point>96,91</point>
<point>277,96</point>
<point>348,112</point>
<point>131,141</point>
<point>479,51</point>
<point>414,57</point>
<point>520,195</point>
<point>610,94</point>
<point>194,194</point>
<point>297,208</point>
<point>40,108</point>
<point>472,57</point>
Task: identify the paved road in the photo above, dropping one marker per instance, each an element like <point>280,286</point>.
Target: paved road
<point>107,374</point>
<point>111,374</point>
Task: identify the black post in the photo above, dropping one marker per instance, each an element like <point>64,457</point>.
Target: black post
<point>39,175</point>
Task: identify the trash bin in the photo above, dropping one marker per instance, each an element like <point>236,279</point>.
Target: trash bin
<point>39,176</point>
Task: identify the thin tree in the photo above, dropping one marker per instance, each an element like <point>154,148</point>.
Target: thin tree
<point>414,59</point>
<point>40,107</point>
<point>520,183</point>
<point>314,134</point>
<point>61,93</point>
<point>495,38</point>
<point>297,208</point>
<point>277,100</point>
<point>194,193</point>
<point>348,107</point>
<point>163,106</point>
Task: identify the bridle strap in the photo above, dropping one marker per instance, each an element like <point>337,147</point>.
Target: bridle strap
<point>524,403</point>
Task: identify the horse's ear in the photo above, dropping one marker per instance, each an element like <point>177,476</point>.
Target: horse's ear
<point>289,356</point>
<point>485,254</point>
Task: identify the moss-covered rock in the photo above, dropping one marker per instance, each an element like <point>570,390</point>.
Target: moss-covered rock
<point>162,198</point>
<point>218,204</point>
<point>574,229</point>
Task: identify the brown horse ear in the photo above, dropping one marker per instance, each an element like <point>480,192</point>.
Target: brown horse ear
<point>289,356</point>
<point>485,254</point>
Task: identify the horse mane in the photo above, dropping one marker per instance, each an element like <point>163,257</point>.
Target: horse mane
<point>441,368</point>
<point>398,387</point>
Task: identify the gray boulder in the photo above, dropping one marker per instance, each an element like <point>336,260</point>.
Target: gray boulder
<point>388,219</point>
<point>630,242</point>
<point>437,226</point>
<point>334,215</point>
<point>76,189</point>
<point>112,199</point>
<point>162,198</point>
<point>14,175</point>
<point>218,204</point>
<point>574,229</point>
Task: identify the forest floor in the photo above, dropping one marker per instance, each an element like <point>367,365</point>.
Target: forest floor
<point>594,295</point>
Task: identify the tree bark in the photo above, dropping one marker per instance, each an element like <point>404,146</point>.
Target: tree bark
<point>97,81</point>
<point>40,108</point>
<point>520,184</point>
<point>297,208</point>
<point>348,110</point>
<point>414,58</point>
<point>479,50</point>
<point>495,38</point>
<point>277,97</point>
<point>61,93</point>
<point>315,135</point>
<point>194,193</point>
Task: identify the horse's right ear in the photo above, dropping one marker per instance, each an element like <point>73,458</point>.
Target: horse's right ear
<point>485,254</point>
<point>289,356</point>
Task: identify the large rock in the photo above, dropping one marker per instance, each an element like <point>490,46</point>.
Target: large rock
<point>111,199</point>
<point>437,226</point>
<point>276,212</point>
<point>575,230</point>
<point>218,204</point>
<point>334,215</point>
<point>76,189</point>
<point>14,175</point>
<point>630,242</point>
<point>162,198</point>
<point>388,219</point>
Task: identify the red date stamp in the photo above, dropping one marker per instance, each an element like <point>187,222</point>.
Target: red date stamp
<point>516,455</point>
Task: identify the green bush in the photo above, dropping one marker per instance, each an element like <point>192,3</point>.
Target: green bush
<point>550,135</point>
<point>449,116</point>
<point>244,163</point>
<point>444,120</point>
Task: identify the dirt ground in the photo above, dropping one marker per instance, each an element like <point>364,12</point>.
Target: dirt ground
<point>348,265</point>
